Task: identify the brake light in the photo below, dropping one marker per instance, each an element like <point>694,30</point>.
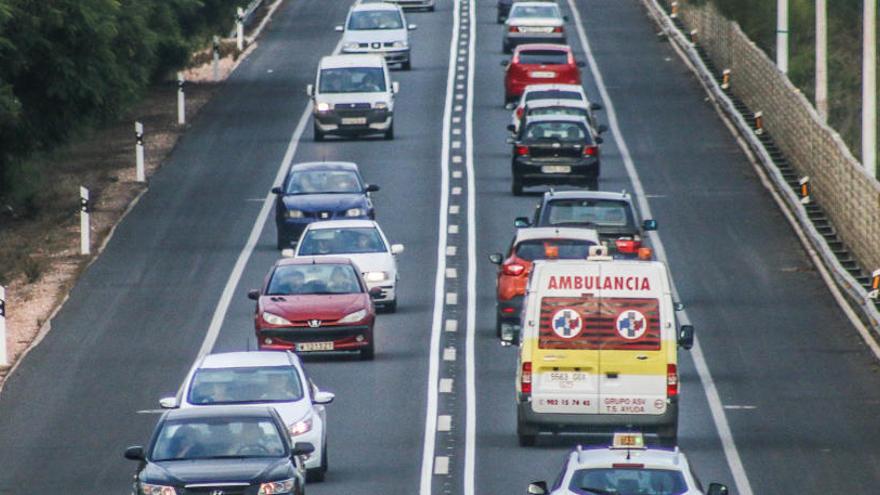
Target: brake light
<point>627,245</point>
<point>522,150</point>
<point>508,310</point>
<point>591,150</point>
<point>627,465</point>
<point>671,380</point>
<point>513,269</point>
<point>557,29</point>
<point>526,378</point>
<point>513,29</point>
<point>519,112</point>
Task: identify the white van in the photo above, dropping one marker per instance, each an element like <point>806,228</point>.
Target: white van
<point>378,28</point>
<point>353,95</point>
<point>599,349</point>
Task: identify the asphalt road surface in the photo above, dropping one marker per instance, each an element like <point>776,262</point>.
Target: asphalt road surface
<point>780,397</point>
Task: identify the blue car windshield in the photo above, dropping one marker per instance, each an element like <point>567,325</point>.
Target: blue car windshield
<point>324,182</point>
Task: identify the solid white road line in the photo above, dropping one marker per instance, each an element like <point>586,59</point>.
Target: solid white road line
<point>470,442</point>
<point>731,453</point>
<point>440,465</point>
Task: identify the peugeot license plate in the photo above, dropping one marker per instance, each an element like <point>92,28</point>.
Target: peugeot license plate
<point>542,74</point>
<point>556,169</point>
<point>314,346</point>
<point>354,120</point>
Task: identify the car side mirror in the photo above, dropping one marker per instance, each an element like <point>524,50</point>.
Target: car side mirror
<point>412,27</point>
<point>375,293</point>
<point>168,402</point>
<point>338,29</point>
<point>371,188</point>
<point>310,89</point>
<point>397,248</point>
<point>505,63</point>
<point>565,18</point>
<point>511,127</point>
<point>521,222</point>
<point>277,190</point>
<point>580,63</point>
<point>287,253</point>
<point>395,87</point>
<point>302,448</point>
<point>677,306</point>
<point>496,258</point>
<point>602,128</point>
<point>649,224</point>
<point>537,488</point>
<point>135,453</point>
<point>686,337</point>
<point>510,140</point>
<point>509,106</point>
<point>254,294</point>
<point>717,489</point>
<point>596,106</point>
<point>323,398</point>
<point>599,140</point>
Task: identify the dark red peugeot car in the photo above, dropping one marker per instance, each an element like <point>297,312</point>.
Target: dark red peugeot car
<point>315,305</point>
<point>539,63</point>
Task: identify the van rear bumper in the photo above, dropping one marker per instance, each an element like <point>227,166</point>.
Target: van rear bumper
<point>586,424</point>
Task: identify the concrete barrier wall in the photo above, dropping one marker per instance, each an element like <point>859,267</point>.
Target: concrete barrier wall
<point>840,184</point>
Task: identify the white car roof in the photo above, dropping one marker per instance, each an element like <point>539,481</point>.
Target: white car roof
<point>558,87</point>
<point>531,233</point>
<point>359,7</point>
<point>621,196</point>
<point>344,61</point>
<point>606,457</point>
<point>246,359</point>
<point>555,102</point>
<point>343,224</point>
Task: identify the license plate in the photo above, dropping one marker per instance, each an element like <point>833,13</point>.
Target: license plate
<point>542,74</point>
<point>556,169</point>
<point>565,380</point>
<point>527,29</point>
<point>314,346</point>
<point>354,120</point>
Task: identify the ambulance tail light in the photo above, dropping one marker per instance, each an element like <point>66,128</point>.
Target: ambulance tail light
<point>628,245</point>
<point>526,378</point>
<point>514,269</point>
<point>671,380</point>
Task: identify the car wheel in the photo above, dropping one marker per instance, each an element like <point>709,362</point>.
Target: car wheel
<point>498,327</point>
<point>368,353</point>
<point>391,307</point>
<point>516,187</point>
<point>499,19</point>
<point>319,136</point>
<point>282,242</point>
<point>431,8</point>
<point>319,473</point>
<point>592,184</point>
<point>406,65</point>
<point>505,47</point>
<point>389,134</point>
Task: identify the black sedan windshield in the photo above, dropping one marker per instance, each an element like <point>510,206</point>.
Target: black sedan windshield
<point>245,385</point>
<point>217,438</point>
<point>323,182</point>
<point>324,278</point>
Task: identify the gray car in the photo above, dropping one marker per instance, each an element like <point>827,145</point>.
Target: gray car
<point>533,22</point>
<point>378,28</point>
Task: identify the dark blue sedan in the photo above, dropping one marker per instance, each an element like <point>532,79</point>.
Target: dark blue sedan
<point>318,191</point>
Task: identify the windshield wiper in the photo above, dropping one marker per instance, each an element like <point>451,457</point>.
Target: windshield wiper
<point>597,491</point>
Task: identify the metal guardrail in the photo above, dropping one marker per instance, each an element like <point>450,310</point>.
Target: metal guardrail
<point>856,293</point>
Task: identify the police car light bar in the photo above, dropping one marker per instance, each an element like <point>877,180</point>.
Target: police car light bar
<point>628,440</point>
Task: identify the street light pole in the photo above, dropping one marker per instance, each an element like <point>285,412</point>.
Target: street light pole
<point>869,88</point>
<point>822,59</point>
<point>782,35</point>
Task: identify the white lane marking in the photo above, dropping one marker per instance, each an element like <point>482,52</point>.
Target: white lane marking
<point>151,411</point>
<point>451,325</point>
<point>456,120</point>
<point>451,272</point>
<point>451,298</point>
<point>248,249</point>
<point>456,174</point>
<point>738,407</point>
<point>444,422</point>
<point>470,440</point>
<point>456,144</point>
<point>430,465</point>
<point>453,210</point>
<point>453,229</point>
<point>451,250</point>
<point>449,354</point>
<point>456,191</point>
<point>456,159</point>
<point>731,453</point>
<point>458,108</point>
<point>456,131</point>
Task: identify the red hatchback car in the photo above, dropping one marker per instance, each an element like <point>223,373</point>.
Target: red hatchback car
<point>315,305</point>
<point>539,63</point>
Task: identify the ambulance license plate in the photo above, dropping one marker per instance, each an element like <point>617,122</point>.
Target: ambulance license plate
<point>314,346</point>
<point>565,380</point>
<point>354,120</point>
<point>556,169</point>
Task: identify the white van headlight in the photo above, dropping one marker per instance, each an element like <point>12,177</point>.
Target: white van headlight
<point>351,45</point>
<point>380,105</point>
<point>376,276</point>
<point>322,106</point>
<point>400,44</point>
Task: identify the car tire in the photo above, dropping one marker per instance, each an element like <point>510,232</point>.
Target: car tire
<point>592,184</point>
<point>431,8</point>
<point>369,352</point>
<point>505,47</point>
<point>498,326</point>
<point>406,65</point>
<point>516,187</point>
<point>319,136</point>
<point>391,307</point>
<point>389,134</point>
<point>319,473</point>
<point>499,19</point>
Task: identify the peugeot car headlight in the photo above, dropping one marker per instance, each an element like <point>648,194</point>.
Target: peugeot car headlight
<point>322,106</point>
<point>273,487</point>
<point>376,276</point>
<point>355,212</point>
<point>353,317</point>
<point>302,426</point>
<point>148,489</point>
<point>380,105</point>
<point>295,214</point>
<point>399,44</point>
<point>273,319</point>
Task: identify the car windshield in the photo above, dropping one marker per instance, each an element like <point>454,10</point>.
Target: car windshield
<point>556,249</point>
<point>599,212</point>
<point>580,112</point>
<point>553,94</point>
<point>375,19</point>
<point>342,241</point>
<point>217,438</point>
<point>352,80</point>
<point>322,278</point>
<point>543,57</point>
<point>324,182</point>
<point>556,131</point>
<point>628,482</point>
<point>534,11</point>
<point>245,385</point>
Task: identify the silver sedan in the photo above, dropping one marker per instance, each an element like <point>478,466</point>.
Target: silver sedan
<point>533,22</point>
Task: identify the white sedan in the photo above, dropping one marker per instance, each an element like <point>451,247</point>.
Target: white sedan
<point>365,244</point>
<point>262,378</point>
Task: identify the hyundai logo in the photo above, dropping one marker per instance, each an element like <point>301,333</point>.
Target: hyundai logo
<point>312,324</point>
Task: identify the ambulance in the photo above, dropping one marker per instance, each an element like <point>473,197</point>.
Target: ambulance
<point>599,349</point>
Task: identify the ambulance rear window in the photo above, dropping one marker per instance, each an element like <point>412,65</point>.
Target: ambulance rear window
<point>562,249</point>
<point>594,323</point>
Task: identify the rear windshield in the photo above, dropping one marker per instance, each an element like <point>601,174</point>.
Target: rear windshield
<point>553,94</point>
<point>592,323</point>
<point>562,249</point>
<point>375,19</point>
<point>543,57</point>
<point>342,241</point>
<point>626,481</point>
<point>549,10</point>
<point>579,112</point>
<point>255,384</point>
<point>598,212</point>
<point>556,131</point>
<point>352,80</point>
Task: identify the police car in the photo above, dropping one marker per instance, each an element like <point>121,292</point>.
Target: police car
<point>627,467</point>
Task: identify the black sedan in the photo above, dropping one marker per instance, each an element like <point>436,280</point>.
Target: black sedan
<point>554,149</point>
<point>317,191</point>
<point>233,450</point>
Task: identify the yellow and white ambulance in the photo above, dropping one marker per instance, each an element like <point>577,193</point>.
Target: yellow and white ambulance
<point>599,349</point>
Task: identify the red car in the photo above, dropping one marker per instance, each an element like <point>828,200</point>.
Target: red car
<point>315,305</point>
<point>539,63</point>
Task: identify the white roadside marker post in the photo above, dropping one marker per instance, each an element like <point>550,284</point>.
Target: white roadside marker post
<point>85,244</point>
<point>4,359</point>
<point>215,64</point>
<point>139,151</point>
<point>181,100</point>
<point>239,28</point>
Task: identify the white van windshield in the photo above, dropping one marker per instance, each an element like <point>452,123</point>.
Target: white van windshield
<point>352,80</point>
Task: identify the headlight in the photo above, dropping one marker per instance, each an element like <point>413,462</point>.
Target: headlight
<point>274,320</point>
<point>355,212</point>
<point>300,427</point>
<point>148,489</point>
<point>399,44</point>
<point>376,276</point>
<point>322,106</point>
<point>283,486</point>
<point>380,105</point>
<point>351,45</point>
<point>295,214</point>
<point>353,317</point>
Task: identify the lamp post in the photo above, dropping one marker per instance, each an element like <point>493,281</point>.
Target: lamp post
<point>782,35</point>
<point>869,88</point>
<point>822,59</point>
